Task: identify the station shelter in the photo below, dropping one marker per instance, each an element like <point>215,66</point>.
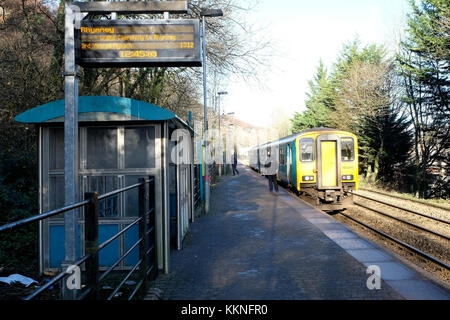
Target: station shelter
<point>120,140</point>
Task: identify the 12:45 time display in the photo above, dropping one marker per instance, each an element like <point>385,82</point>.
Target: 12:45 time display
<point>138,54</point>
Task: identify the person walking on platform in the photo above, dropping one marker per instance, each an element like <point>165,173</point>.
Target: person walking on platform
<point>270,170</point>
<point>234,164</point>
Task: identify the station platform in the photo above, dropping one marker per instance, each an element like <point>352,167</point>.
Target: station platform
<point>257,245</point>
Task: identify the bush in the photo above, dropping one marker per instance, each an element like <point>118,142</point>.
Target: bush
<point>18,200</point>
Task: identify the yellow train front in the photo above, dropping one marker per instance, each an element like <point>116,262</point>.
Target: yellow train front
<point>320,163</point>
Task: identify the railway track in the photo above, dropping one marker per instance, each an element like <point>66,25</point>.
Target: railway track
<point>401,214</point>
<point>402,220</point>
<point>422,202</point>
<point>443,270</point>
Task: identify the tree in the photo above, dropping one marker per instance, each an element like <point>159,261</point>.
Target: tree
<point>367,104</point>
<point>423,64</point>
<point>319,104</point>
<point>360,95</point>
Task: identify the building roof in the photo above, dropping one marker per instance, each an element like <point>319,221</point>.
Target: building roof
<point>98,108</point>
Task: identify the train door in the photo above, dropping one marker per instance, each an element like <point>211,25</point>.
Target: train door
<point>328,161</point>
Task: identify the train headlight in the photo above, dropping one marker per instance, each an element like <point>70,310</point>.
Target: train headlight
<point>308,178</point>
<point>347,177</point>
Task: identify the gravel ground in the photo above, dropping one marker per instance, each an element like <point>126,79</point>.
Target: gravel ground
<point>431,244</point>
<point>410,204</point>
<point>430,224</point>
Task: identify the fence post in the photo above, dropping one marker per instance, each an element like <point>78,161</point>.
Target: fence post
<point>91,242</point>
<point>143,230</point>
<point>152,224</point>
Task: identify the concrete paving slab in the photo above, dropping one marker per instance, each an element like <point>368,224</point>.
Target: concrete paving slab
<point>369,255</point>
<point>320,220</point>
<point>340,234</point>
<point>352,244</point>
<point>393,270</point>
<point>419,290</point>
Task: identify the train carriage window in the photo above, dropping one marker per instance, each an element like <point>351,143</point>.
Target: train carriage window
<point>282,156</point>
<point>347,149</point>
<point>306,147</point>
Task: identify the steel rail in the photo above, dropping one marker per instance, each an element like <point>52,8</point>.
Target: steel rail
<point>150,230</point>
<point>83,259</point>
<point>150,249</point>
<point>149,269</point>
<point>400,208</point>
<point>115,192</point>
<point>55,212</point>
<point>83,295</point>
<point>43,215</point>
<point>114,237</point>
<point>55,279</point>
<point>44,287</point>
<point>111,268</point>
<point>125,279</point>
<point>414,249</point>
<point>136,289</point>
<point>401,220</point>
<point>402,198</point>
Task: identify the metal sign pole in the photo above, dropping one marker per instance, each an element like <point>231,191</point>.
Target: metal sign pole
<point>70,148</point>
<point>205,110</point>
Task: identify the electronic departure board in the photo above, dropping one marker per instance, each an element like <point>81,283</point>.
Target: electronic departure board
<point>141,43</point>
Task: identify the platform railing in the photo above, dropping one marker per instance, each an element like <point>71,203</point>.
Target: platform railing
<point>146,221</point>
<point>213,172</point>
<point>197,177</point>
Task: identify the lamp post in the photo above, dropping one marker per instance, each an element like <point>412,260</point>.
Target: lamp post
<point>206,13</point>
<point>220,134</point>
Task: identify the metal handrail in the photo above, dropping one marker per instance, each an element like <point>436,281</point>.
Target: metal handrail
<point>104,244</point>
<point>115,192</point>
<point>125,279</point>
<point>91,239</point>
<point>115,264</point>
<point>43,216</point>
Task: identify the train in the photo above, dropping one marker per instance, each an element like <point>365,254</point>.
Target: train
<point>320,164</point>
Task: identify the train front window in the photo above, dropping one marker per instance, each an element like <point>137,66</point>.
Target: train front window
<point>306,149</point>
<point>347,149</point>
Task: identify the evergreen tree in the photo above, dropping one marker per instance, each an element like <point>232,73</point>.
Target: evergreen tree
<point>423,64</point>
<point>319,102</point>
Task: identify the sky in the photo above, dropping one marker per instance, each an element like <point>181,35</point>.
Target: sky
<point>303,32</point>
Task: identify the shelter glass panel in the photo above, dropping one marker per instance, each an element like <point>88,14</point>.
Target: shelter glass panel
<point>131,196</point>
<point>56,136</point>
<point>101,148</point>
<point>139,147</point>
<point>108,207</point>
<point>56,192</point>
